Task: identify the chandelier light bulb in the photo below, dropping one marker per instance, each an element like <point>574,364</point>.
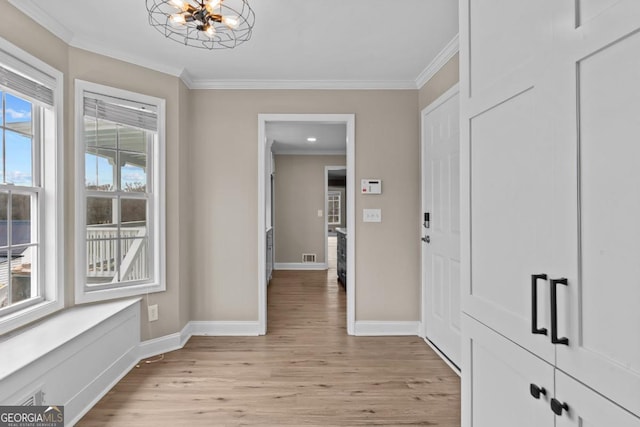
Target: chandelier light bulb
<point>231,21</point>
<point>210,31</point>
<point>180,4</point>
<point>212,4</point>
<point>178,19</point>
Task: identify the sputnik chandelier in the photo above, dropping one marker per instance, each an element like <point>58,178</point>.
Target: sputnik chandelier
<point>205,24</point>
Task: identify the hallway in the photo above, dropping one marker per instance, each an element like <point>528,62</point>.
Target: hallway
<point>305,371</point>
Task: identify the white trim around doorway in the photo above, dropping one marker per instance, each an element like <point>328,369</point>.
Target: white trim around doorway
<point>263,146</point>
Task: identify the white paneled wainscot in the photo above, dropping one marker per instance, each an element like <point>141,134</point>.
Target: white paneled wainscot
<point>72,358</point>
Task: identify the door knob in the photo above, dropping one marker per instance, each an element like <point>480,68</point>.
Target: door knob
<point>557,406</point>
<point>537,391</point>
<point>426,239</point>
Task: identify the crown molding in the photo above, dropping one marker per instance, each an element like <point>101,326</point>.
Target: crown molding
<point>187,79</point>
<point>33,11</point>
<point>438,62</point>
<point>304,84</point>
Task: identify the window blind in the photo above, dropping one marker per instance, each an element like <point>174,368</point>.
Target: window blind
<point>41,91</point>
<point>121,111</point>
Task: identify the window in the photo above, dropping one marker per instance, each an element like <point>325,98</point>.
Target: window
<point>31,230</point>
<point>333,208</point>
<point>120,190</point>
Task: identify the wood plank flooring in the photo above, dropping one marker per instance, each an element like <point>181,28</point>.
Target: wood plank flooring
<point>305,372</point>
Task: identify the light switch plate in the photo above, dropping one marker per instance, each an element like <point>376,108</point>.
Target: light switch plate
<point>372,215</point>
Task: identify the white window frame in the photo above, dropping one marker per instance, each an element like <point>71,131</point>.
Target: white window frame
<point>50,213</point>
<point>329,194</point>
<point>156,220</point>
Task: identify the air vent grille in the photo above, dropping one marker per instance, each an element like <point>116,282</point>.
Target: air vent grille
<point>34,399</point>
<point>308,258</point>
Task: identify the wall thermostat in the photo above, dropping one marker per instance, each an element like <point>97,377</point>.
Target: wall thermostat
<point>371,186</point>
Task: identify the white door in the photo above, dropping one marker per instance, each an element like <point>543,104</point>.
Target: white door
<point>505,381</point>
<point>587,408</point>
<point>441,233</point>
<point>598,111</point>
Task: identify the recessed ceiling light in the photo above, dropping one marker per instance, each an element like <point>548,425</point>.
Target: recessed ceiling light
<point>311,139</point>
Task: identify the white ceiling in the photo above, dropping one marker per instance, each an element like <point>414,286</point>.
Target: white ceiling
<point>291,137</point>
<point>295,43</point>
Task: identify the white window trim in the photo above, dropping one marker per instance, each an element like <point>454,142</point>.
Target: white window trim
<point>51,257</point>
<point>158,166</point>
<point>335,193</point>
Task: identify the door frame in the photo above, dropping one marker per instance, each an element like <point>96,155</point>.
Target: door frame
<point>263,147</point>
<point>450,93</point>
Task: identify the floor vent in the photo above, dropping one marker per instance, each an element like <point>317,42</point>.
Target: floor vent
<point>308,257</point>
<point>34,399</point>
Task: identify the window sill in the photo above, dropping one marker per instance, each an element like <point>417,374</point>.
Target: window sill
<point>23,317</point>
<point>83,296</point>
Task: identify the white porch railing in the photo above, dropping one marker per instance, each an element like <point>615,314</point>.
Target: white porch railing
<point>102,253</point>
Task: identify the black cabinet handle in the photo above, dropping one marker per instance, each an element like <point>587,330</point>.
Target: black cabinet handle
<point>554,311</point>
<point>537,391</point>
<point>557,406</point>
<point>534,304</point>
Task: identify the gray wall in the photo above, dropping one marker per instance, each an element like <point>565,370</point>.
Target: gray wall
<point>299,191</point>
<point>445,78</point>
<point>224,167</point>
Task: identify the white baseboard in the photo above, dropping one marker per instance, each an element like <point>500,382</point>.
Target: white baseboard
<point>160,345</point>
<point>442,356</point>
<point>377,328</point>
<point>167,343</point>
<point>225,328</point>
<point>300,266</point>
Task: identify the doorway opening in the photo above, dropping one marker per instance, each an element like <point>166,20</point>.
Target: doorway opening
<point>335,224</point>
<point>267,238</point>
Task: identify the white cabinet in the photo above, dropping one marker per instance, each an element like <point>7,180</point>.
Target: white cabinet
<point>503,374</point>
<point>550,203</point>
<point>598,88</point>
<point>512,387</point>
<point>588,408</point>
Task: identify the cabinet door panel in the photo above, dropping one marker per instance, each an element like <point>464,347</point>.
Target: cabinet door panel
<point>600,314</point>
<point>587,408</point>
<point>497,378</point>
<point>498,63</point>
<point>511,187</point>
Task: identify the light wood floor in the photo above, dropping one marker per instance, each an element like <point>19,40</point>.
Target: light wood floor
<point>305,372</point>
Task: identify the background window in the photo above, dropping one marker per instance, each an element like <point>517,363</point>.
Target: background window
<point>333,208</point>
<point>121,184</point>
<point>31,229</point>
<point>19,194</point>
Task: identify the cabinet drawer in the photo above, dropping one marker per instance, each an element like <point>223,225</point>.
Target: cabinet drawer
<point>496,387</point>
<point>588,408</point>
